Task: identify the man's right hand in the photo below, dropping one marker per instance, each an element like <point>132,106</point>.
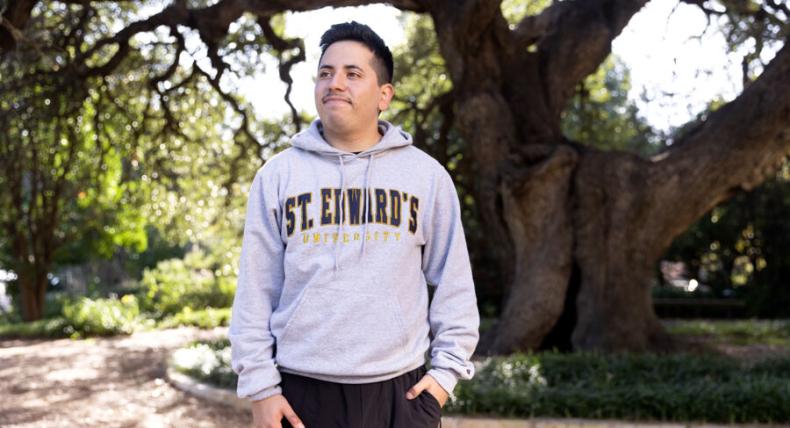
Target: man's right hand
<point>269,413</point>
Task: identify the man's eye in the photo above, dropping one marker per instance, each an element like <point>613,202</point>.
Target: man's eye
<point>323,74</point>
<point>353,74</point>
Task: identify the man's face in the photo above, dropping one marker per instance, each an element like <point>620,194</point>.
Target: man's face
<point>347,94</point>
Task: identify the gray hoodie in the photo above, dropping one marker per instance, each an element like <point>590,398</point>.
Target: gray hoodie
<point>336,254</point>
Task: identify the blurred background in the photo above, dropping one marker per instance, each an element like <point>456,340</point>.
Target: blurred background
<point>130,135</point>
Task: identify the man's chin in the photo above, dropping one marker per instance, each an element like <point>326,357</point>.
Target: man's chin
<point>336,122</point>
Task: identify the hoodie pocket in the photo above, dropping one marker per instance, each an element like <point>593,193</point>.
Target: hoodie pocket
<point>343,333</point>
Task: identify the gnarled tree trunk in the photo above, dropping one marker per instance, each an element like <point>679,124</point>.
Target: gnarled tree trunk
<point>569,219</point>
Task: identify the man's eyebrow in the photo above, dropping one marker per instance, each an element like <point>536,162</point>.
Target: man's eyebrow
<point>347,67</point>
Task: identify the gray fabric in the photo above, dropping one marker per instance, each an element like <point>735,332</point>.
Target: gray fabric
<point>316,299</point>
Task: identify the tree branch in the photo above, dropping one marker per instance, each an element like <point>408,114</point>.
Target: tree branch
<point>572,39</point>
<point>736,147</point>
<point>286,63</point>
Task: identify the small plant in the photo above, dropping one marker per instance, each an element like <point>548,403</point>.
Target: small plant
<point>190,282</point>
<point>208,362</point>
<point>102,317</point>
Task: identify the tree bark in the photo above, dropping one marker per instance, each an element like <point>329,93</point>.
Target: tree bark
<point>32,286</point>
<point>543,247</point>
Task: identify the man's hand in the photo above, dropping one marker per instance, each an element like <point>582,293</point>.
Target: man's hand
<point>269,413</point>
<point>430,385</point>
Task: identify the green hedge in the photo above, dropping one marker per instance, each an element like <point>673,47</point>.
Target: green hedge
<point>645,387</point>
<point>103,317</point>
<point>192,282</point>
<point>628,386</point>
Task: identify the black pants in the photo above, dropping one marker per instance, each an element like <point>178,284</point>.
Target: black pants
<point>322,404</point>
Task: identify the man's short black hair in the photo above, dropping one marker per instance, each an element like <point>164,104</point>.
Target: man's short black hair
<point>362,33</point>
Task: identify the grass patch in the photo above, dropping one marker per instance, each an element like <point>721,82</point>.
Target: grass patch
<point>739,332</point>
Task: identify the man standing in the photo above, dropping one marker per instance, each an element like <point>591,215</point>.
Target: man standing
<point>331,319</point>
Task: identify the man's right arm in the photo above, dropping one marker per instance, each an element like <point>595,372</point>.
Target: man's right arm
<point>257,292</point>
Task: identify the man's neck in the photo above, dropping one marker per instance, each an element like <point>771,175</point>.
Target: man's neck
<point>357,142</point>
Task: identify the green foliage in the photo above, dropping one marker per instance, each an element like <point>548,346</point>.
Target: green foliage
<point>601,115</point>
<point>741,332</point>
<point>752,29</point>
<point>102,317</point>
<point>202,318</point>
<point>196,281</point>
<point>739,247</point>
<point>207,361</point>
<point>55,327</point>
<point>628,386</point>
<point>515,10</point>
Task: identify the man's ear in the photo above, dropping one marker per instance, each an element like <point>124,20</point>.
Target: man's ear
<point>386,93</point>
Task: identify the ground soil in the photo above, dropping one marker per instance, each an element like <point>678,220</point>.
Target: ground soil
<point>103,382</point>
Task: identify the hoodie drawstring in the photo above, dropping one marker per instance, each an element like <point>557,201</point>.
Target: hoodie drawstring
<point>342,213</point>
<point>366,208</point>
<point>370,203</point>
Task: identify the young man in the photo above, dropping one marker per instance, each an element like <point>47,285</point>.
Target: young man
<point>331,319</point>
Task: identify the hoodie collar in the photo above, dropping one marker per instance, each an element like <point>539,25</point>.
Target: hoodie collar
<point>312,140</point>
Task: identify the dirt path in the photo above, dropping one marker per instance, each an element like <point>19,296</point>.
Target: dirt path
<point>112,382</point>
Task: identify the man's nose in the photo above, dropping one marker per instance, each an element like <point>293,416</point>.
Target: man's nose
<point>338,82</point>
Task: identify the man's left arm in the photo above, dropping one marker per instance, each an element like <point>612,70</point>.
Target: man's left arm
<point>453,314</point>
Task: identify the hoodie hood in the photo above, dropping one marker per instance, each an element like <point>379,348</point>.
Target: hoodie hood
<point>312,140</point>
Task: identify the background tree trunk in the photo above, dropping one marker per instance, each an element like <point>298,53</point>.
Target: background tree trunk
<point>32,286</point>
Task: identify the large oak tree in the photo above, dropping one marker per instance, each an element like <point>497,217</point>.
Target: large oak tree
<point>575,230</point>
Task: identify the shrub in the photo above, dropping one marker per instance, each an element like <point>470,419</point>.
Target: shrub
<point>189,282</point>
<point>202,318</point>
<point>208,362</point>
<point>102,317</point>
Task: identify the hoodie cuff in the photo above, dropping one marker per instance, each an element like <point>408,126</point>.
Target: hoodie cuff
<point>258,383</point>
<point>266,393</point>
<point>446,379</point>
